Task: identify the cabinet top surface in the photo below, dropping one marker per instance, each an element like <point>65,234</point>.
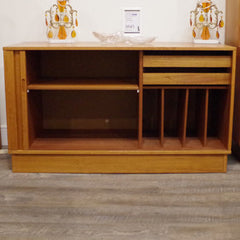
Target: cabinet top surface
<point>101,46</point>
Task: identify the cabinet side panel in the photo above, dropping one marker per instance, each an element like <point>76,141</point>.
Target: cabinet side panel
<point>227,103</point>
<point>11,101</point>
<point>236,133</point>
<point>232,95</point>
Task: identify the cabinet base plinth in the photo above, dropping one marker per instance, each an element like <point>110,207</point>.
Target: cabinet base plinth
<point>119,164</point>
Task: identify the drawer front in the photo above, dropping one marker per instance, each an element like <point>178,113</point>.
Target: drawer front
<point>186,78</point>
<point>187,61</point>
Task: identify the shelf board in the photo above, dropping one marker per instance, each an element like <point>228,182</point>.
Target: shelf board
<point>84,84</point>
<point>84,144</point>
<point>205,87</point>
<point>157,46</point>
<point>175,144</point>
<point>126,144</point>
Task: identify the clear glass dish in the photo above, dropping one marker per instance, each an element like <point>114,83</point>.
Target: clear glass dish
<point>119,37</point>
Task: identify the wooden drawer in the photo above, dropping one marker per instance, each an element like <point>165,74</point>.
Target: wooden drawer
<point>187,61</point>
<point>186,78</point>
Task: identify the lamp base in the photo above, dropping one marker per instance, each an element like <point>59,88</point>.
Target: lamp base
<point>206,41</point>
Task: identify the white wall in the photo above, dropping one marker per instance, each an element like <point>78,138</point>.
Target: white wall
<point>24,21</point>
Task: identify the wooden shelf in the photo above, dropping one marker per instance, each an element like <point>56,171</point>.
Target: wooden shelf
<point>175,144</point>
<point>84,144</point>
<point>149,144</point>
<point>184,87</point>
<point>84,84</point>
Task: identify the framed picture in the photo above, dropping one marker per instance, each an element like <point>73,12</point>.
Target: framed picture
<point>132,21</point>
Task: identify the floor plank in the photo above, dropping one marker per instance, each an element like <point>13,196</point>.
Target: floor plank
<point>119,206</point>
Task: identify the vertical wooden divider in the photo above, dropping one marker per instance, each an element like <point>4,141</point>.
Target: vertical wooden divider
<point>203,116</point>
<point>182,113</point>
<point>161,116</point>
<point>140,104</point>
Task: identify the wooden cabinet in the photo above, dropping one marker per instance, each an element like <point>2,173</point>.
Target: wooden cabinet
<point>233,38</point>
<point>92,108</point>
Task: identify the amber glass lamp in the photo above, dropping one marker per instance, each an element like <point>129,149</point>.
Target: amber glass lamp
<point>61,21</point>
<point>206,21</point>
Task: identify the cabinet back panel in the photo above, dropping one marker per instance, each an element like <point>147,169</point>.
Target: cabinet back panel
<point>89,64</point>
<point>218,112</point>
<point>171,113</point>
<point>89,110</point>
<point>151,112</point>
<point>192,114</point>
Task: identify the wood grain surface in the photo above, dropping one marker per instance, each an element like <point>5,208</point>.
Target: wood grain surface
<point>98,45</point>
<point>186,78</point>
<point>32,115</point>
<point>119,207</point>
<point>188,61</point>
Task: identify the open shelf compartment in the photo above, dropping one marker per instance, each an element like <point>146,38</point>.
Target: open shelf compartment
<point>83,120</point>
<point>189,118</point>
<point>82,70</point>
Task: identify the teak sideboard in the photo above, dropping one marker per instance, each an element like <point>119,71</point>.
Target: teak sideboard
<point>95,108</point>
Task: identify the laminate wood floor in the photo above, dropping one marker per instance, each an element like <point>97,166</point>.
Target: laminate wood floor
<point>119,207</point>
